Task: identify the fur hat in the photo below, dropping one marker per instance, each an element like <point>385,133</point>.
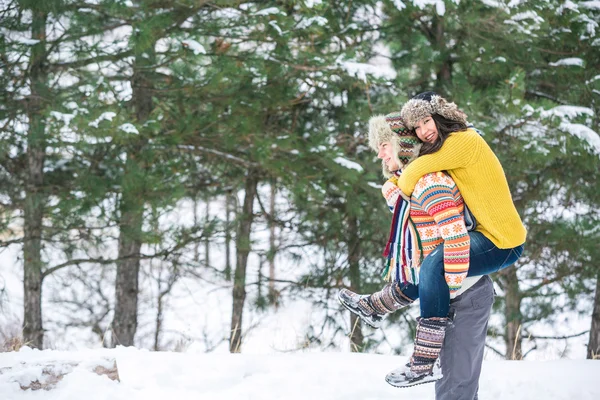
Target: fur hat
<point>391,128</point>
<point>428,103</point>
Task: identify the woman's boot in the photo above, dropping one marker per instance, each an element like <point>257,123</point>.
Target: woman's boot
<point>424,364</point>
<point>373,308</point>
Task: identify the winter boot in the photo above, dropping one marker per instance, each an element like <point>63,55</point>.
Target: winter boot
<point>372,309</point>
<point>424,365</point>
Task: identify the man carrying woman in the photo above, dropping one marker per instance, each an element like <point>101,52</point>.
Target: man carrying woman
<point>431,254</point>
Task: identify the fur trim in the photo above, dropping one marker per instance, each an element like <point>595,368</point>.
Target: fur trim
<point>379,132</point>
<point>416,109</point>
<point>448,110</point>
<point>404,142</point>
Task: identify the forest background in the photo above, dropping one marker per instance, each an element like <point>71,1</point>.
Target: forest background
<point>178,173</point>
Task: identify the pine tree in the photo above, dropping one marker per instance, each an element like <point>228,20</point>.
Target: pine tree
<point>512,67</point>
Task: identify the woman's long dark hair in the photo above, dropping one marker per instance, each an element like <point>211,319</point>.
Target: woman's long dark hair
<point>445,127</point>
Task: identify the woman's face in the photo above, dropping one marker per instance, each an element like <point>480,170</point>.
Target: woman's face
<point>386,153</point>
<point>426,130</point>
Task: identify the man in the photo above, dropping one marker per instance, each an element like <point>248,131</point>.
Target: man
<point>463,347</point>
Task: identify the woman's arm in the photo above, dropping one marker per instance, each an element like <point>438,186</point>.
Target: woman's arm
<point>437,199</point>
<point>458,151</point>
<point>391,192</point>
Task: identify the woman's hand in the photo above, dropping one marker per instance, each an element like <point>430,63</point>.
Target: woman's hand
<point>391,192</point>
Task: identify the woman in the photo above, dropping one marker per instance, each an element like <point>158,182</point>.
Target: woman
<point>397,147</point>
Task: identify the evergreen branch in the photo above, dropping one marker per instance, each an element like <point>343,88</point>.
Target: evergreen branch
<point>558,53</point>
<point>545,96</point>
<point>65,37</point>
<point>201,149</point>
<point>93,60</point>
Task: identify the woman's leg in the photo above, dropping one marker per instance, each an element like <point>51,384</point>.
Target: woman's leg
<point>485,258</point>
<point>433,289</point>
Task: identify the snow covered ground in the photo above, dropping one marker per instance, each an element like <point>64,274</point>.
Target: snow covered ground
<point>162,375</point>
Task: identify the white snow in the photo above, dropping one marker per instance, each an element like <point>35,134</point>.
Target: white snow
<point>594,79</point>
<point>584,133</point>
<point>567,112</point>
<point>574,61</point>
<point>592,5</point>
<point>527,15</point>
<point>495,4</point>
<point>65,118</point>
<point>361,70</point>
<point>270,11</point>
<point>221,376</point>
<point>27,41</point>
<point>129,128</point>
<point>305,23</point>
<point>277,28</point>
<point>193,45</point>
<point>440,6</point>
<point>591,25</point>
<point>399,4</point>
<point>312,3</point>
<point>108,116</point>
<point>344,162</point>
<point>568,5</point>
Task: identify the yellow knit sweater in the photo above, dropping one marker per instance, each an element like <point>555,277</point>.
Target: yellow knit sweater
<point>481,181</point>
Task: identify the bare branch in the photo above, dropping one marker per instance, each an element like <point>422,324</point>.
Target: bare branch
<point>559,337</point>
<point>495,350</point>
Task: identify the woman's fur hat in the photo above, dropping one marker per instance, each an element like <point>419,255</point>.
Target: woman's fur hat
<point>428,103</point>
<point>391,128</point>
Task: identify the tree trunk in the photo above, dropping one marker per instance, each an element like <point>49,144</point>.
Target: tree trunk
<point>444,73</point>
<point>356,335</point>
<point>593,352</point>
<point>126,287</point>
<point>132,208</point>
<point>33,332</point>
<point>228,201</point>
<point>196,223</point>
<point>512,313</point>
<point>207,239</point>
<point>271,257</point>
<point>158,319</point>
<point>245,220</point>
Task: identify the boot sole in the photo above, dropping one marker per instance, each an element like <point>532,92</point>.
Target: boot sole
<point>423,381</point>
<point>357,313</point>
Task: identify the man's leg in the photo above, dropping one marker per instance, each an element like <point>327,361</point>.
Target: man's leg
<point>462,353</point>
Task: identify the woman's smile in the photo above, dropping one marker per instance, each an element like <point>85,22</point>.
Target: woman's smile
<point>426,130</point>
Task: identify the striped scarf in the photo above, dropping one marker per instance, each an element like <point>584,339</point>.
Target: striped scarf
<point>403,251</point>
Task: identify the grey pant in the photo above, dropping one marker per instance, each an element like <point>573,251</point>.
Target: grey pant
<point>462,353</point>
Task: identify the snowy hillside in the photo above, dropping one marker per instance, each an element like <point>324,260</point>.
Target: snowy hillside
<point>154,375</point>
